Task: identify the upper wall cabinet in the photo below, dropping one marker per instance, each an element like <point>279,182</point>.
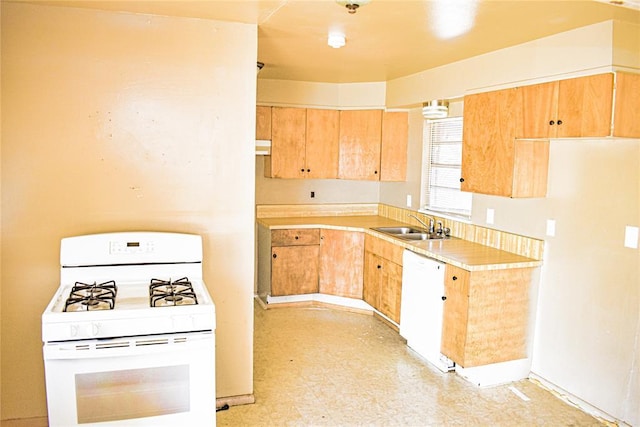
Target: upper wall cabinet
<point>329,144</point>
<point>505,150</point>
<point>321,148</point>
<point>569,108</point>
<point>304,143</point>
<point>626,119</point>
<point>393,149</point>
<point>288,136</point>
<point>493,161</point>
<point>373,145</point>
<point>263,123</point>
<point>360,132</point>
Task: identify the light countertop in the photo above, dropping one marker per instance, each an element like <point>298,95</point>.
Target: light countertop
<point>461,253</point>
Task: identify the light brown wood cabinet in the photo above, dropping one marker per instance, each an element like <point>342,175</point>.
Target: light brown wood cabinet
<point>304,143</point>
<point>626,116</point>
<point>383,276</point>
<point>341,263</point>
<point>263,122</point>
<point>360,132</point>
<point>485,315</point>
<point>493,160</point>
<point>393,146</point>
<point>570,108</point>
<point>294,261</point>
<point>322,144</point>
<point>330,144</point>
<point>288,128</point>
<point>505,150</point>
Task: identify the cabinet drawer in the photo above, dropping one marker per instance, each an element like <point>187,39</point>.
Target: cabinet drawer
<point>295,237</point>
<point>384,249</point>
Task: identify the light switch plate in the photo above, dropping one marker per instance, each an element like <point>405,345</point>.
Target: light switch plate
<point>631,237</point>
<point>551,227</point>
<point>490,215</point>
<point>409,200</point>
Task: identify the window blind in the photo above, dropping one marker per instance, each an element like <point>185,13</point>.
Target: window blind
<point>441,168</point>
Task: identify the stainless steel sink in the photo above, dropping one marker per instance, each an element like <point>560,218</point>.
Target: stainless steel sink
<point>399,230</point>
<point>410,233</point>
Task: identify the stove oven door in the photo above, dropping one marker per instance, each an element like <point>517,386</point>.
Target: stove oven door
<point>161,380</point>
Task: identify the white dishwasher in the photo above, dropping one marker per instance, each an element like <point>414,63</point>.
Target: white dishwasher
<point>421,307</point>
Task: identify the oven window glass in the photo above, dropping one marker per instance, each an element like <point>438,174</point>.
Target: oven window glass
<point>133,393</point>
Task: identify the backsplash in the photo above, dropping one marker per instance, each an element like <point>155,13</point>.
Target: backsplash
<point>335,209</point>
<point>514,243</point>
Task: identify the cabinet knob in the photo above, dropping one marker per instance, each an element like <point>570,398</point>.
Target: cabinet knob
<point>461,179</point>
<point>275,256</point>
<point>308,170</point>
<point>559,122</point>
<point>551,123</point>
<point>444,298</point>
<point>379,266</point>
<point>375,172</point>
<point>302,170</point>
<point>455,277</point>
<point>296,237</point>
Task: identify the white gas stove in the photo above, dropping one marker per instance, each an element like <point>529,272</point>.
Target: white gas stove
<point>129,336</point>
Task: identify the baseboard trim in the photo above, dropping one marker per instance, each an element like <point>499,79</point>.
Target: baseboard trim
<point>243,399</point>
<point>575,401</point>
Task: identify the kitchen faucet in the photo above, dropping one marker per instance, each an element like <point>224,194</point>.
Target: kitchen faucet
<point>430,227</point>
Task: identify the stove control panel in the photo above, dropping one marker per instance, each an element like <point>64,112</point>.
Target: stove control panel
<point>131,247</point>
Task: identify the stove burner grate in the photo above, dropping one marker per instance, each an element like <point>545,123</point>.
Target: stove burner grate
<point>165,293</point>
<point>89,297</point>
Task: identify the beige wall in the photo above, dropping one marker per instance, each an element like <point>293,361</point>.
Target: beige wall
<point>123,122</point>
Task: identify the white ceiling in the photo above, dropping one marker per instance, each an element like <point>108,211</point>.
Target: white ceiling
<point>385,39</point>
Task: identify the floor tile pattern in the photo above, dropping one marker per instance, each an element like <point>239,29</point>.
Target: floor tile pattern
<point>325,367</point>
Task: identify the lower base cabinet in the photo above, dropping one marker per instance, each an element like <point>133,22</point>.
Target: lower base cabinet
<point>341,263</point>
<point>383,277</point>
<point>294,261</point>
<point>485,315</point>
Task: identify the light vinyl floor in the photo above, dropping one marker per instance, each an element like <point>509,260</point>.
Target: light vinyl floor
<point>326,367</point>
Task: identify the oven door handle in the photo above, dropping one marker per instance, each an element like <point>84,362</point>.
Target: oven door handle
<point>128,346</point>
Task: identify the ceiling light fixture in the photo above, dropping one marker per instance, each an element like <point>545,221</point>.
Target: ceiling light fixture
<point>336,40</point>
<point>352,5</point>
<point>436,109</point>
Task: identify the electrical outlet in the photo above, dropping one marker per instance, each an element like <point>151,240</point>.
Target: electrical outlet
<point>490,215</point>
<point>313,194</point>
<point>631,237</point>
<point>551,227</point>
<point>408,200</point>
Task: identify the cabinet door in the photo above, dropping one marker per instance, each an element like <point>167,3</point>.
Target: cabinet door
<point>627,108</point>
<point>294,270</point>
<point>497,316</point>
<point>295,237</point>
<point>322,143</point>
<point>491,122</point>
<point>540,110</point>
<point>393,149</point>
<point>288,127</point>
<point>360,133</point>
<point>371,284</point>
<point>263,122</point>
<point>390,290</point>
<point>455,314</point>
<point>341,263</point>
<point>584,106</point>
